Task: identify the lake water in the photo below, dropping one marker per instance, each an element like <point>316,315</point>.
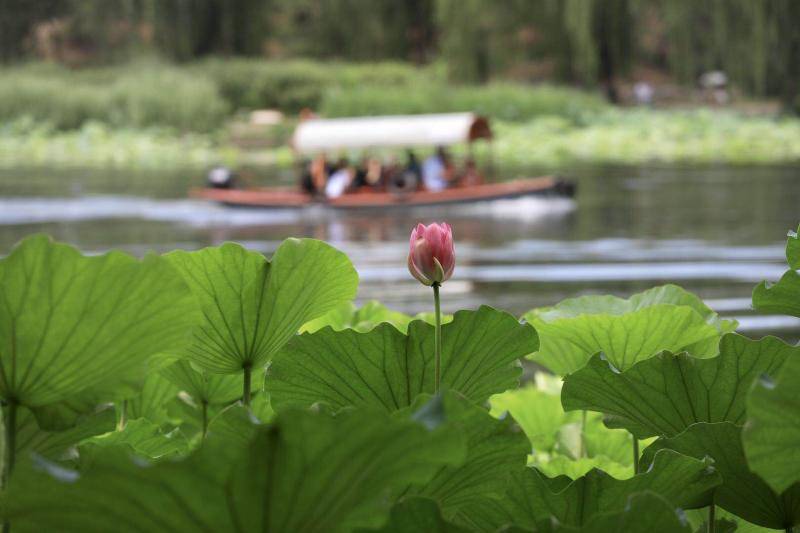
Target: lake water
<point>715,230</point>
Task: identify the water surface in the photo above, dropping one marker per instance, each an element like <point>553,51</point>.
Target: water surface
<point>715,230</point>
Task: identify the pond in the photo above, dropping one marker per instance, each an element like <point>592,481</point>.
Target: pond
<point>715,230</point>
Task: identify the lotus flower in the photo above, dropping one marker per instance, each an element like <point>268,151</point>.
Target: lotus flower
<point>431,255</point>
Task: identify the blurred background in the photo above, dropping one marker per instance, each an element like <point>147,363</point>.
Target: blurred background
<point>676,118</point>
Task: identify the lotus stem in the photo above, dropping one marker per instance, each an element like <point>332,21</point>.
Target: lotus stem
<point>123,415</point>
<point>582,448</point>
<point>635,454</point>
<point>205,417</point>
<point>11,441</point>
<point>248,370</point>
<point>10,423</point>
<point>712,511</point>
<point>437,339</point>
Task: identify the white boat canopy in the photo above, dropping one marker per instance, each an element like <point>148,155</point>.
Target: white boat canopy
<point>316,135</point>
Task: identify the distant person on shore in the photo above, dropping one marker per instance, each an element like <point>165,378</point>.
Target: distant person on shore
<point>436,171</point>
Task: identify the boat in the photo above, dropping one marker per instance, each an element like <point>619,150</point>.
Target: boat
<point>316,136</point>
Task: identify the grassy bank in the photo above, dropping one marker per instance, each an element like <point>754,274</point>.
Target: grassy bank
<point>616,136</point>
<point>151,114</point>
<point>200,97</point>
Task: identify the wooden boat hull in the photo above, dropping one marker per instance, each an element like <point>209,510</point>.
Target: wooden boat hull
<point>292,198</point>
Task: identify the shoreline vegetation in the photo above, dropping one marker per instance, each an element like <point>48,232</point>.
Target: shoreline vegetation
<point>149,114</point>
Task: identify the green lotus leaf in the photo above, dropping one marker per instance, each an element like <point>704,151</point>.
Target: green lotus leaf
<point>562,442</point>
<point>698,518</point>
<point>567,344</point>
<point>70,322</point>
<point>386,369</point>
<point>146,439</point>
<point>364,318</point>
<point>613,305</point>
<point>742,492</point>
<point>494,450</point>
<point>152,402</point>
<point>532,498</point>
<point>67,413</point>
<point>202,386</point>
<point>782,297</point>
<point>53,444</point>
<point>562,356</point>
<point>644,512</point>
<point>537,412</point>
<point>793,250</point>
<point>574,468</point>
<point>305,472</point>
<point>252,306</point>
<point>416,515</point>
<point>667,393</point>
<point>772,433</point>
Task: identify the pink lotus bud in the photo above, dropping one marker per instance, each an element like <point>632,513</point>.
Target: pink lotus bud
<point>431,255</point>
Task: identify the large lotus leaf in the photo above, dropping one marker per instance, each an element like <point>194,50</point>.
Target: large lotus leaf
<point>665,394</point>
<point>52,444</point>
<point>779,298</point>
<point>698,518</point>
<point>531,497</point>
<point>67,413</point>
<point>145,439</point>
<point>561,465</point>
<point>364,318</point>
<point>386,369</point>
<point>567,344</point>
<point>562,443</point>
<point>252,306</point>
<point>644,512</point>
<point>613,305</point>
<point>116,493</point>
<point>742,492</point>
<point>416,515</point>
<point>306,472</point>
<point>152,402</point>
<point>537,412</point>
<point>334,473</point>
<point>69,322</point>
<point>784,296</point>
<point>494,450</point>
<point>772,434</point>
<point>203,386</point>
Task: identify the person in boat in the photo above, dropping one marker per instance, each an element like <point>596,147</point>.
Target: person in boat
<point>306,181</point>
<point>437,171</point>
<point>318,172</point>
<point>373,176</point>
<point>406,179</point>
<point>340,179</point>
<point>470,175</point>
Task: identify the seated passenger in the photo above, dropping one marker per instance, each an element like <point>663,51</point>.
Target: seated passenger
<point>340,180</point>
<point>374,173</point>
<point>436,171</point>
<point>318,171</point>
<point>470,176</point>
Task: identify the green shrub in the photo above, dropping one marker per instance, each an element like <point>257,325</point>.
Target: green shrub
<point>293,85</point>
<point>504,101</point>
<point>135,95</point>
<point>168,97</point>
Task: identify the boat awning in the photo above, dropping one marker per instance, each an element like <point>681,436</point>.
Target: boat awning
<point>396,131</point>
